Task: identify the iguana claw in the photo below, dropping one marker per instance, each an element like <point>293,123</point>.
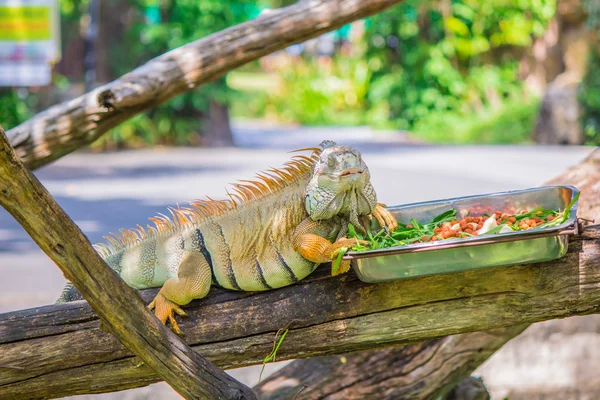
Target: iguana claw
<point>385,218</point>
<point>164,309</point>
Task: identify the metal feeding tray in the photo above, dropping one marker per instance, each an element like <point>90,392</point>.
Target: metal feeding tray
<point>476,252</point>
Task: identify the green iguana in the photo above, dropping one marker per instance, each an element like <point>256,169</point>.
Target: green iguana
<point>270,233</point>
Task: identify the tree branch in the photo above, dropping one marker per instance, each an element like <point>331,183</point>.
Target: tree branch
<point>59,350</point>
<point>73,124</point>
<point>118,305</point>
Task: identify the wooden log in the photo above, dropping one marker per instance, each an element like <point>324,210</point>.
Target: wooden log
<point>68,126</point>
<point>118,305</point>
<point>406,372</point>
<point>425,383</point>
<point>58,350</point>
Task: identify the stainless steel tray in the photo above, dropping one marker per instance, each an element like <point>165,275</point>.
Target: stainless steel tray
<point>465,254</point>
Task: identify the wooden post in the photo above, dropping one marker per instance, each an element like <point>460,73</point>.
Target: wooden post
<point>118,305</point>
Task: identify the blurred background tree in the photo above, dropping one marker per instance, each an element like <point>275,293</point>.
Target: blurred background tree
<point>446,70</point>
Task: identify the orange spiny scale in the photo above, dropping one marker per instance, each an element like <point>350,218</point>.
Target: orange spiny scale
<point>306,162</point>
<point>126,234</point>
<point>306,165</point>
<point>119,238</point>
<point>284,176</point>
<point>210,208</point>
<point>193,213</point>
<point>201,207</point>
<point>183,219</point>
<point>305,159</point>
<point>242,191</point>
<point>292,169</point>
<point>291,172</point>
<point>142,231</point>
<point>155,220</point>
<point>209,205</point>
<point>173,216</point>
<point>102,248</point>
<point>216,205</point>
<point>138,233</point>
<point>234,200</point>
<point>252,191</point>
<point>182,216</point>
<point>112,241</point>
<point>222,205</point>
<point>268,180</point>
<point>259,184</point>
<point>317,150</point>
<point>165,220</point>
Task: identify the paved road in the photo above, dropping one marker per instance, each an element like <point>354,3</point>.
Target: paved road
<point>105,192</point>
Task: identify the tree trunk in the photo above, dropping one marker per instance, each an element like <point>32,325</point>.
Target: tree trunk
<point>218,133</point>
<point>559,118</point>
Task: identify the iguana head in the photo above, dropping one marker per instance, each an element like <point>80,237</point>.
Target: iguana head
<point>340,185</point>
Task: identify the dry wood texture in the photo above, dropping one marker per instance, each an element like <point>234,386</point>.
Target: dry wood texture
<point>58,350</point>
<point>427,370</point>
<point>122,310</point>
<point>429,379</point>
<point>68,126</point>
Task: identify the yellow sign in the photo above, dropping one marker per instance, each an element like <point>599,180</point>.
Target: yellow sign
<point>29,41</point>
<point>25,23</point>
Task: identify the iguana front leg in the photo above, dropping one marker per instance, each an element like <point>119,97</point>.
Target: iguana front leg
<point>193,282</point>
<point>384,217</point>
<point>318,249</point>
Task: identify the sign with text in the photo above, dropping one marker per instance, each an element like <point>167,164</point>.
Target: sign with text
<point>29,41</point>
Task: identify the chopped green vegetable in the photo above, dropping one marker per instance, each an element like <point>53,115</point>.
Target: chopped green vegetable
<point>416,231</point>
<point>271,357</point>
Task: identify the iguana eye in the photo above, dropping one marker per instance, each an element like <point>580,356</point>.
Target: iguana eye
<point>331,162</point>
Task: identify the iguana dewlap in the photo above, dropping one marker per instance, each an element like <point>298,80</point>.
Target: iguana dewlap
<point>270,233</point>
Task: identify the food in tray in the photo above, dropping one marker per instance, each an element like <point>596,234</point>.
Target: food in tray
<point>448,226</point>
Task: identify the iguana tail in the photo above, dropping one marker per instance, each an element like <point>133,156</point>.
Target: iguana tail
<point>69,293</point>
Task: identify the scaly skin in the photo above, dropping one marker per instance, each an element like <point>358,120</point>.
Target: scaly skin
<point>272,233</point>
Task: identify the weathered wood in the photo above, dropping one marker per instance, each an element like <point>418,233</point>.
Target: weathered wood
<point>70,125</point>
<point>393,373</point>
<point>122,310</point>
<point>58,350</point>
<point>448,370</point>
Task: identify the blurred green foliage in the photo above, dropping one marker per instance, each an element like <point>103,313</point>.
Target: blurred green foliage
<point>435,66</point>
<point>320,91</point>
<point>159,26</point>
<point>446,70</point>
<point>15,107</point>
<point>589,89</point>
<point>589,98</point>
<point>153,27</point>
